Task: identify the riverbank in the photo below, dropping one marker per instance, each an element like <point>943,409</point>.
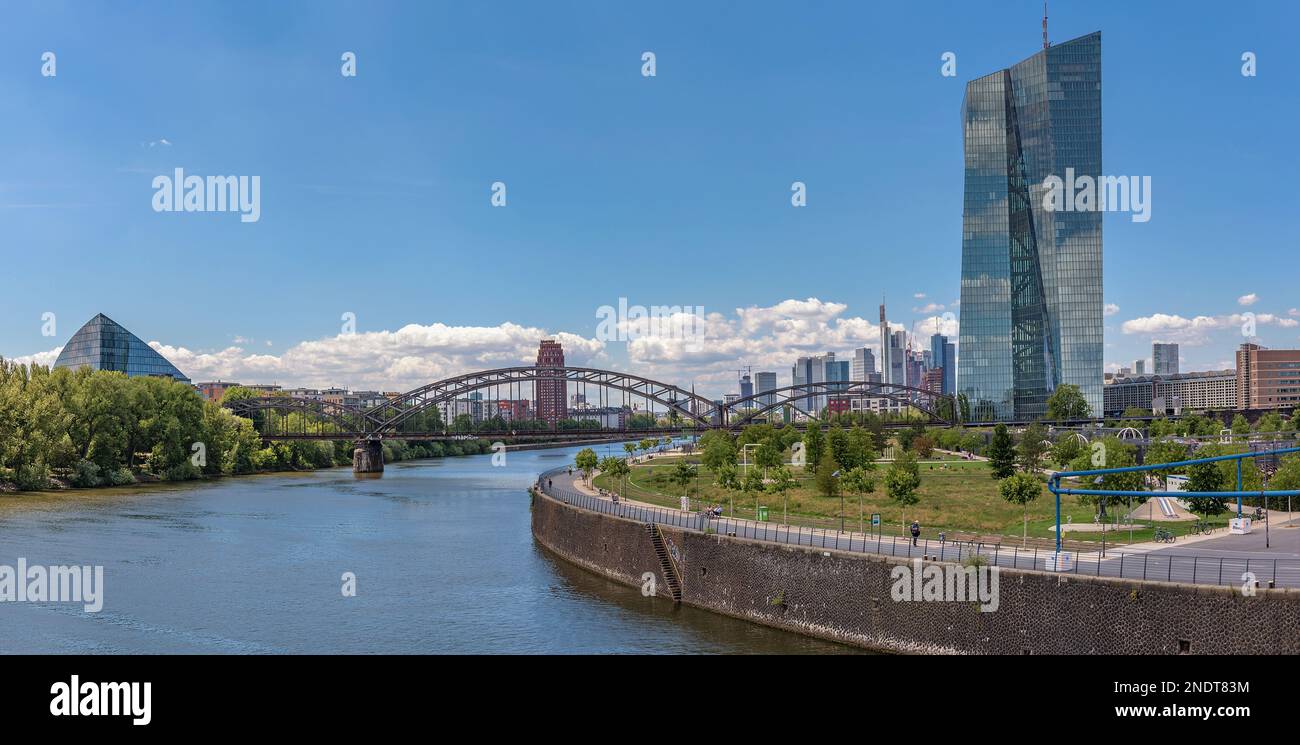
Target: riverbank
<point>851,597</point>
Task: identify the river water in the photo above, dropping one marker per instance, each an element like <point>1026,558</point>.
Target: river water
<point>442,552</point>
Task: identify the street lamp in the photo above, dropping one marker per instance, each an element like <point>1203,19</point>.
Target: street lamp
<point>836,475</point>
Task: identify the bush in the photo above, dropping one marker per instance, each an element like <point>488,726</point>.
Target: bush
<point>32,476</point>
<point>181,472</point>
<point>85,474</point>
<point>120,477</point>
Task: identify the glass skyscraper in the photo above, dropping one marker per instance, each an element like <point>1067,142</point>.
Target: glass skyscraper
<point>1031,299</point>
<point>103,344</point>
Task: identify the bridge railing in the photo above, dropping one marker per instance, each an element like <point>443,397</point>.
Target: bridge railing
<point>1111,562</point>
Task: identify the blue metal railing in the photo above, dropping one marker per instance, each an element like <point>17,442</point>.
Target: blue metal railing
<point>1054,484</point>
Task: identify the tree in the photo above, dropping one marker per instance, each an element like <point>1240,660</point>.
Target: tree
<point>813,444</point>
<point>902,480</point>
<point>826,479</point>
<point>717,450</point>
<point>1033,446</point>
<point>753,484</point>
<point>1066,449</point>
<point>923,445</point>
<point>1067,402</point>
<point>586,462</point>
<point>682,474</point>
<point>1109,452</point>
<point>780,482</point>
<point>1240,426</point>
<point>616,468</point>
<point>1002,452</point>
<point>860,480</point>
<point>1021,488</point>
<point>629,448</point>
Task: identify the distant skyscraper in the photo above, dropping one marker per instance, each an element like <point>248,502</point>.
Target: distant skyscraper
<point>746,387</point>
<point>1139,367</point>
<point>898,362</point>
<point>944,354</point>
<point>550,393</point>
<point>885,359</point>
<point>864,364</point>
<point>1164,359</point>
<point>1031,281</point>
<point>764,382</point>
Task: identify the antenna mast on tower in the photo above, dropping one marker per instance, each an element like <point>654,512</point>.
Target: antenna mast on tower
<point>1045,42</point>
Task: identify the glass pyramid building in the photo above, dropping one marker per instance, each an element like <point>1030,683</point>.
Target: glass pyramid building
<point>103,344</point>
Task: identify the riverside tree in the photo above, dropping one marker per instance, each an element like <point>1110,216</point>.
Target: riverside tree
<point>1067,402</point>
<point>902,480</point>
<point>586,462</point>
<point>1002,452</point>
<point>1021,488</point>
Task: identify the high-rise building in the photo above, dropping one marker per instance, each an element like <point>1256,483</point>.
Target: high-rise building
<point>549,389</point>
<point>764,382</point>
<point>1164,359</point>
<point>898,362</point>
<point>103,344</point>
<point>943,354</point>
<point>864,365</point>
<point>1268,378</point>
<point>886,369</point>
<point>746,386</point>
<point>1139,367</point>
<point>1031,279</point>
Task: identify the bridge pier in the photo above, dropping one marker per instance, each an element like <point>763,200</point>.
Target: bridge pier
<point>368,457</point>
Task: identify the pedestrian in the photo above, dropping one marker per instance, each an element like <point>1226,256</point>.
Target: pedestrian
<point>548,485</point>
<point>916,531</point>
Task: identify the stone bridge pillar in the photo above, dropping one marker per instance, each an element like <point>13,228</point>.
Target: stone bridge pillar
<point>368,457</point>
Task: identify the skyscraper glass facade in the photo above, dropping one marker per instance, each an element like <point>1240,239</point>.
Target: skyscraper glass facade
<point>103,344</point>
<point>1031,283</point>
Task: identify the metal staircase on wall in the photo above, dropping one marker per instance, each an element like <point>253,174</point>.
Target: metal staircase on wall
<point>667,568</point>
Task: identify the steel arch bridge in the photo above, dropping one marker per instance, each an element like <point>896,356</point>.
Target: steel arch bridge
<point>394,417</point>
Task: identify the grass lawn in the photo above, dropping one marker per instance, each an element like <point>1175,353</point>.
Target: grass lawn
<point>955,495</point>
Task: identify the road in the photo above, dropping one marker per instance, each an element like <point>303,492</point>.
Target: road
<point>1213,561</point>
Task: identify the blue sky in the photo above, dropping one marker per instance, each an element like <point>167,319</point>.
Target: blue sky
<point>667,190</point>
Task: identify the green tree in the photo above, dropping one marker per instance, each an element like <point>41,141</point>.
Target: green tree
<point>1021,488</point>
<point>1240,426</point>
<point>813,445</point>
<point>1066,449</point>
<point>860,480</point>
<point>682,474</point>
<point>780,482</point>
<point>1033,446</point>
<point>902,480</point>
<point>616,468</point>
<point>1067,402</point>
<point>1002,452</point>
<point>586,461</point>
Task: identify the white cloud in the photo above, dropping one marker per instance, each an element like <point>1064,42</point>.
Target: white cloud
<point>1195,331</point>
<point>40,358</point>
<point>1247,300</point>
<point>768,338</point>
<point>929,308</point>
<point>1111,309</point>
<point>919,296</point>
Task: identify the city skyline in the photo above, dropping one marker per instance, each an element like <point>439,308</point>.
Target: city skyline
<point>393,193</point>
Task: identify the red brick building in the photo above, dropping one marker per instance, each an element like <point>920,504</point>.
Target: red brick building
<point>550,395</point>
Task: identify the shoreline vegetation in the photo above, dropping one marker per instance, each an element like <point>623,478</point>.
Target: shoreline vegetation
<point>82,429</point>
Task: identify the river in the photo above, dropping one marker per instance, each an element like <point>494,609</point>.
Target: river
<point>441,550</point>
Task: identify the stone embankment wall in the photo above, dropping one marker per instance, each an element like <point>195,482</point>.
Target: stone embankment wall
<point>847,597</point>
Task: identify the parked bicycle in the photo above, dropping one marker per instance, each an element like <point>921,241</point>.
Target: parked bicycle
<point>1164,536</point>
